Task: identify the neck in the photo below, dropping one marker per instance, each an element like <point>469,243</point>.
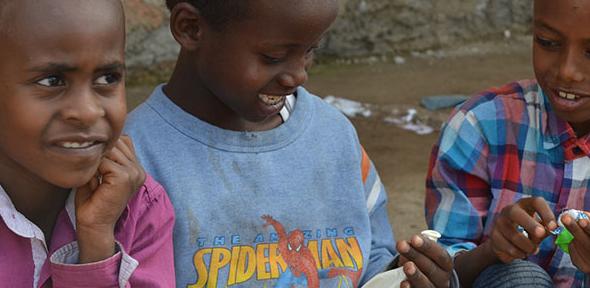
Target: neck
<point>187,90</point>
<point>581,129</point>
<point>38,200</point>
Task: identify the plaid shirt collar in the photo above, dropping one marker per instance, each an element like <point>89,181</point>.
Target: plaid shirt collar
<point>558,132</point>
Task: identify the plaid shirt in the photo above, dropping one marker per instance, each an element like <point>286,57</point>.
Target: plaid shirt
<point>498,147</point>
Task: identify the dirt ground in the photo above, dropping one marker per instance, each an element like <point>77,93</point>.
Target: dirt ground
<point>402,156</point>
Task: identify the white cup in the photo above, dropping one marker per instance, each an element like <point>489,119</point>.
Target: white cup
<point>431,234</point>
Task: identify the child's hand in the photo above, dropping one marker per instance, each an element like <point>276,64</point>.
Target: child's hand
<point>507,243</point>
<point>579,247</point>
<point>99,203</point>
<point>426,264</point>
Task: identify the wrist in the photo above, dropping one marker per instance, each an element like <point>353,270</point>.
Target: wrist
<point>95,243</point>
<point>470,264</point>
<point>488,253</point>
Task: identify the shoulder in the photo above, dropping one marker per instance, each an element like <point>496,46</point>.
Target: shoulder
<point>151,122</point>
<point>331,129</point>
<point>512,102</point>
<point>327,118</point>
<point>146,112</point>
<point>511,96</point>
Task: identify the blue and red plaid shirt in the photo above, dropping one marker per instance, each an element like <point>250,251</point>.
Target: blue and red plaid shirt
<point>498,147</point>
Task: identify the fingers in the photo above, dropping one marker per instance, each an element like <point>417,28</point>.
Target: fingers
<point>579,247</point>
<point>402,260</point>
<point>84,192</point>
<point>127,147</point>
<point>539,206</point>
<point>118,156</point>
<point>508,239</point>
<point>503,248</point>
<point>508,242</point>
<point>432,251</point>
<point>109,169</point>
<point>577,254</point>
<point>580,256</point>
<point>432,261</point>
<point>580,230</point>
<point>525,213</point>
<point>415,277</point>
<point>124,154</point>
<point>511,241</point>
<point>123,151</point>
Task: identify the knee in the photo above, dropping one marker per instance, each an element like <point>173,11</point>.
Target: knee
<point>520,273</point>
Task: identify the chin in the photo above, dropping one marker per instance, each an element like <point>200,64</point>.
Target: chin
<point>72,180</point>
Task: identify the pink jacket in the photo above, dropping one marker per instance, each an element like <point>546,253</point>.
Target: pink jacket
<point>144,243</point>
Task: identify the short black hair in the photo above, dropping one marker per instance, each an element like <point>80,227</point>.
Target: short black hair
<point>218,13</point>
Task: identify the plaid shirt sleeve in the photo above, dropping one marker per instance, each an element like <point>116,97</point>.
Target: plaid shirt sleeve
<point>457,185</point>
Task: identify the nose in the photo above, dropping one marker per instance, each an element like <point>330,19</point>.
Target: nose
<point>570,66</point>
<point>82,107</point>
<point>295,75</point>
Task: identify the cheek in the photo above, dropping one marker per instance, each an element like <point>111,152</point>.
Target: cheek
<point>545,64</point>
<point>538,62</point>
<point>116,110</point>
<point>25,121</point>
<point>22,138</point>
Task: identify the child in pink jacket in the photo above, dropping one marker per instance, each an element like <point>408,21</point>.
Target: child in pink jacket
<point>76,208</point>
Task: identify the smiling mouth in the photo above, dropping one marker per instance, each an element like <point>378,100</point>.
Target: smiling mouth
<point>568,96</point>
<point>77,145</point>
<point>270,100</point>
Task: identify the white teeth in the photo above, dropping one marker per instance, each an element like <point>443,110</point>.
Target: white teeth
<point>568,96</point>
<point>76,145</point>
<point>270,99</point>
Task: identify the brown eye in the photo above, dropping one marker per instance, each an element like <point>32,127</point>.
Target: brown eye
<point>550,44</point>
<point>51,81</point>
<point>108,79</point>
<point>271,60</point>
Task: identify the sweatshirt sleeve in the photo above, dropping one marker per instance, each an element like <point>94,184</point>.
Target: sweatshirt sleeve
<point>144,255</point>
<point>382,242</point>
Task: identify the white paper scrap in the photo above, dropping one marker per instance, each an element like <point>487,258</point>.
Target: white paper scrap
<point>350,108</point>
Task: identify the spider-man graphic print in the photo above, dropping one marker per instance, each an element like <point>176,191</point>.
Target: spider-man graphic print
<point>284,259</point>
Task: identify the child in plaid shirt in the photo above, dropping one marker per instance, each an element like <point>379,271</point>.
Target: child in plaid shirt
<point>517,156</point>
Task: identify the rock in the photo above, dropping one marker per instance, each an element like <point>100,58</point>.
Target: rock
<point>443,101</point>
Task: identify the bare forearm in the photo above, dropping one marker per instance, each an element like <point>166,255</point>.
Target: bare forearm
<point>470,264</point>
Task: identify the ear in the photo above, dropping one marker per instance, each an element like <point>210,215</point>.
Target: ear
<point>186,25</point>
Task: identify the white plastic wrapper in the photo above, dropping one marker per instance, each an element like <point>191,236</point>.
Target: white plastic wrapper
<point>393,278</point>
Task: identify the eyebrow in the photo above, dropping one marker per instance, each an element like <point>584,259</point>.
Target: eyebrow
<point>65,68</point>
<point>546,26</point>
<point>53,67</point>
<point>279,45</point>
<point>115,66</point>
<point>290,45</point>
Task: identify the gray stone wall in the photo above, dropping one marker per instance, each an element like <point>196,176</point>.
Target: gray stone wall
<point>364,27</point>
<point>391,26</point>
